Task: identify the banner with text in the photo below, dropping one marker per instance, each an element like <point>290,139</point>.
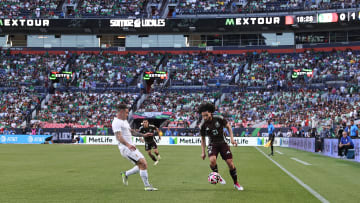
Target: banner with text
<point>330,147</point>
<point>357,149</point>
<point>191,141</point>
<point>305,144</point>
<point>23,139</point>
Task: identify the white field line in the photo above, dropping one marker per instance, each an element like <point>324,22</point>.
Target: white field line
<point>308,188</point>
<point>302,162</point>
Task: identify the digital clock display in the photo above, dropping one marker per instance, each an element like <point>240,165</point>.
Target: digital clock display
<point>306,19</point>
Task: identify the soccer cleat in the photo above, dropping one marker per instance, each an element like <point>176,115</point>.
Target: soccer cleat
<point>238,187</point>
<point>158,157</point>
<point>124,178</point>
<point>271,154</point>
<point>156,162</point>
<point>221,180</point>
<point>151,188</point>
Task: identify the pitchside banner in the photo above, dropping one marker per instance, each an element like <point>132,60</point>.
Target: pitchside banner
<point>284,141</point>
<point>23,139</point>
<point>331,147</point>
<point>357,149</point>
<point>191,141</point>
<point>305,144</point>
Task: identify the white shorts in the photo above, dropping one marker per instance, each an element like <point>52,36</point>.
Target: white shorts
<point>133,156</point>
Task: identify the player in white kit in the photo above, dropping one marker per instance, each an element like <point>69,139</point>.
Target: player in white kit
<point>123,133</point>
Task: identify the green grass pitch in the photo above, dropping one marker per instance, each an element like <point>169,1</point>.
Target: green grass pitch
<point>80,173</point>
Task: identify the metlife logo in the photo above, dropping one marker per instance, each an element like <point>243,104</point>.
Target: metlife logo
<point>107,140</point>
<point>24,23</point>
<point>189,141</point>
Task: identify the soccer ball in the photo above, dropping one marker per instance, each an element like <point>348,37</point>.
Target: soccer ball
<point>213,178</point>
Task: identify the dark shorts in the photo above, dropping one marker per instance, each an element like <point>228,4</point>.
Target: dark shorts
<point>151,145</point>
<point>223,149</point>
<point>272,139</point>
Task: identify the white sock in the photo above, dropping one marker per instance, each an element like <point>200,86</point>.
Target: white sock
<point>144,177</point>
<point>132,171</point>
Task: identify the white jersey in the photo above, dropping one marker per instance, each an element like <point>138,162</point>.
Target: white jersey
<point>122,126</point>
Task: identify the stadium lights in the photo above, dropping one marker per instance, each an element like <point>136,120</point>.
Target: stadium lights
<point>42,37</point>
<point>121,37</point>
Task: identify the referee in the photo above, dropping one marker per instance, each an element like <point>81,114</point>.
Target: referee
<point>271,136</point>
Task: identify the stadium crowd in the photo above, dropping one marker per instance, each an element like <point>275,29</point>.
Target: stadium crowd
<point>137,8</point>
<point>20,69</point>
<point>16,106</point>
<point>30,9</point>
<point>181,104</point>
<point>115,70</point>
<point>89,8</point>
<point>202,67</point>
<point>291,108</point>
<point>90,109</point>
<point>275,69</point>
<point>243,107</point>
<point>191,7</point>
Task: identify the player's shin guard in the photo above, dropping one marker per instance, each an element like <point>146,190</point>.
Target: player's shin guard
<point>132,171</point>
<point>144,177</point>
<point>214,168</point>
<point>152,157</point>
<point>233,175</point>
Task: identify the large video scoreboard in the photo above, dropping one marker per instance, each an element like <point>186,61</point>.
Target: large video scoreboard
<point>323,18</point>
<point>272,22</point>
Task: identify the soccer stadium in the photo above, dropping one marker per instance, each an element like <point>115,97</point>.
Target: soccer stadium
<point>179,101</point>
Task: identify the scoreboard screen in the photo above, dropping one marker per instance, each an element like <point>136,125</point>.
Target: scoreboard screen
<point>302,72</point>
<point>154,75</point>
<point>349,16</point>
<point>322,18</point>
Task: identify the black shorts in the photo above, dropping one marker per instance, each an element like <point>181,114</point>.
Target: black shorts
<point>151,145</point>
<point>271,137</point>
<point>222,148</point>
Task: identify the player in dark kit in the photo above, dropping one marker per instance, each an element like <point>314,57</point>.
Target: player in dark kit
<point>213,127</point>
<point>150,140</point>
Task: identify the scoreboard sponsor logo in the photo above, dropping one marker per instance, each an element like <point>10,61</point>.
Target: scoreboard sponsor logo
<point>137,23</point>
<point>24,23</point>
<point>253,21</point>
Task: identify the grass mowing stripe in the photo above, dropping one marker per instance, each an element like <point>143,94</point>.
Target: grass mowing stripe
<point>300,161</point>
<point>317,195</point>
